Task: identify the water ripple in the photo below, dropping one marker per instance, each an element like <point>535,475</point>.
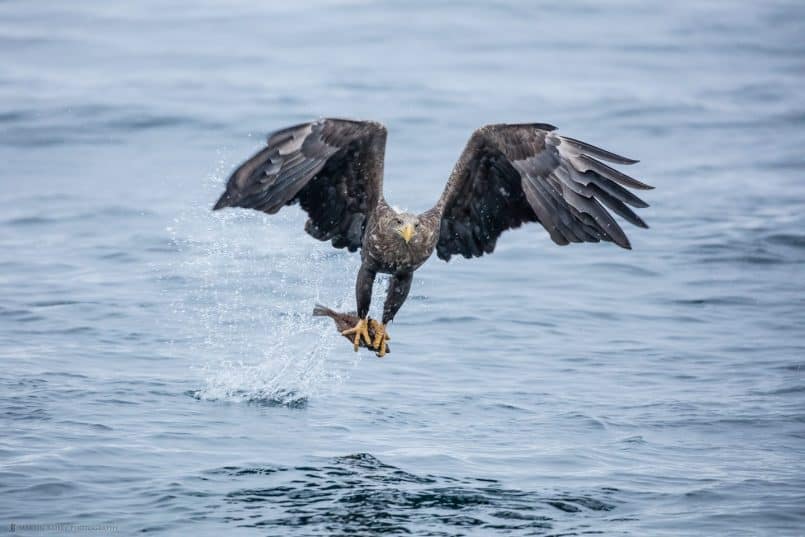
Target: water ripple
<point>359,494</point>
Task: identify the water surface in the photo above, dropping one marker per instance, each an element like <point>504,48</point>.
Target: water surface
<point>160,371</point>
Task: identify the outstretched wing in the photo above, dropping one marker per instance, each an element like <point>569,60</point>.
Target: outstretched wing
<point>511,174</point>
<point>332,167</point>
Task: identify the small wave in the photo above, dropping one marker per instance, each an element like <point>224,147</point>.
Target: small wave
<point>748,259</point>
<point>787,239</point>
<point>153,121</point>
<point>48,489</point>
<point>25,413</point>
<point>279,397</point>
<point>716,301</point>
<point>797,367</point>
<point>20,315</point>
<point>15,116</point>
<point>634,440</point>
<point>31,221</point>
<point>53,303</point>
<point>111,211</point>
<point>762,245</point>
<point>100,124</point>
<point>360,494</point>
<point>786,390</point>
<point>237,471</point>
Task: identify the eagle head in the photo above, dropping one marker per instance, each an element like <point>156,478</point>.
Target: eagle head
<point>406,225</point>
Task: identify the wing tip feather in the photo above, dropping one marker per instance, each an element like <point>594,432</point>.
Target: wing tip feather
<point>596,151</point>
<point>223,201</point>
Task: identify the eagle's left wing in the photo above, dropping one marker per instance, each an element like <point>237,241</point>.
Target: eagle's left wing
<point>332,167</point>
<point>512,174</point>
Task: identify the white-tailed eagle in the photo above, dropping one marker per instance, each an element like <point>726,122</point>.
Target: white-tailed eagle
<point>507,175</point>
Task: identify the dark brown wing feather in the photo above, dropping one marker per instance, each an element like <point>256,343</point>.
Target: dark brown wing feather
<point>511,174</point>
<point>332,167</point>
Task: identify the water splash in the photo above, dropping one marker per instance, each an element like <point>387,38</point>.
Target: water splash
<point>284,375</point>
<point>245,287</point>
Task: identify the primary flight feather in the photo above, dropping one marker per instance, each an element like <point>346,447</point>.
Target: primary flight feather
<point>507,175</point>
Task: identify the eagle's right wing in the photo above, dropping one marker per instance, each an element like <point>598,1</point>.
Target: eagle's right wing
<point>512,174</point>
<point>332,167</point>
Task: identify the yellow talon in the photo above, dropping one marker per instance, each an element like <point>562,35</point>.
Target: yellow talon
<point>361,329</point>
<point>381,338</point>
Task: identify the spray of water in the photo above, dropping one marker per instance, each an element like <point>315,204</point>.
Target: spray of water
<point>245,285</point>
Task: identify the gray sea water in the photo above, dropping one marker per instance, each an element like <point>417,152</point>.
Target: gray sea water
<point>160,372</point>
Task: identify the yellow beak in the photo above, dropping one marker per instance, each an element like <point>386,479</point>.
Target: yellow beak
<point>406,232</point>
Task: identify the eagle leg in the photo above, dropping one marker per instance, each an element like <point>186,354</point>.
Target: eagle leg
<point>360,330</point>
<point>380,343</point>
<point>363,294</point>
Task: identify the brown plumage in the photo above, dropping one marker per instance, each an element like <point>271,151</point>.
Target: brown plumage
<point>506,176</point>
